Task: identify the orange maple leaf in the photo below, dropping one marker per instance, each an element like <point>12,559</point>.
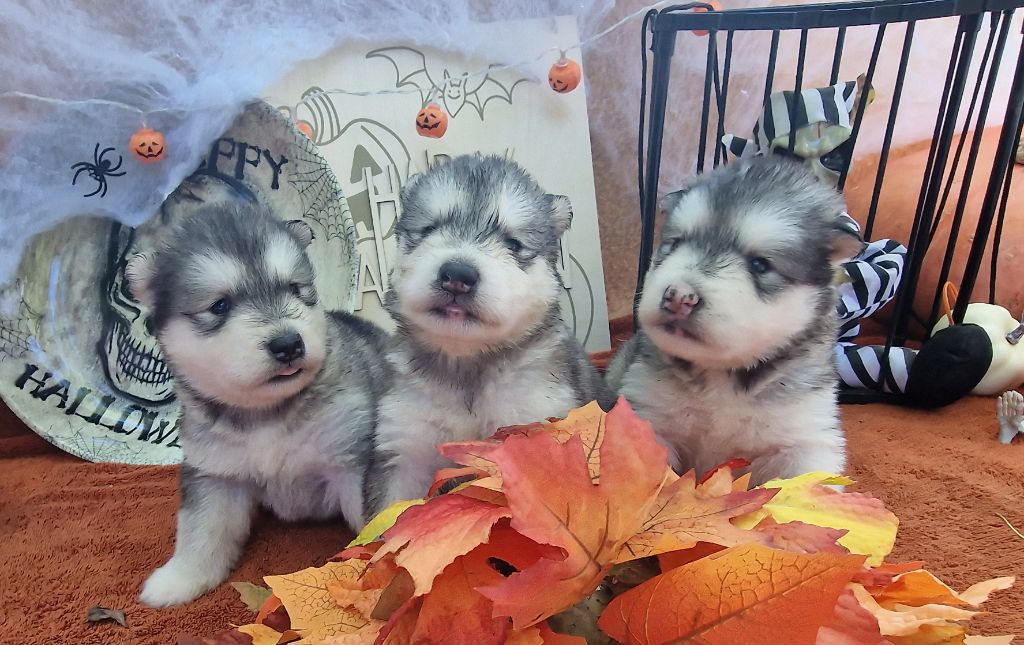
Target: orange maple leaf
<point>674,559</point>
<point>454,598</point>
<point>799,537</point>
<point>589,424</point>
<point>473,455</point>
<point>446,475</point>
<point>554,501</point>
<point>917,608</point>
<point>907,621</point>
<point>586,423</point>
<point>916,588</point>
<point>883,574</point>
<point>684,514</point>
<point>270,605</point>
<point>851,624</point>
<point>398,629</point>
<point>428,537</point>
<point>744,594</point>
<point>541,634</point>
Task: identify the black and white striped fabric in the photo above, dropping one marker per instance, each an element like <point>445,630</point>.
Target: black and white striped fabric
<point>825,107</point>
<point>870,281</point>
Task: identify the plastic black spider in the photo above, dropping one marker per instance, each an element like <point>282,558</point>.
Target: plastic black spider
<point>98,170</point>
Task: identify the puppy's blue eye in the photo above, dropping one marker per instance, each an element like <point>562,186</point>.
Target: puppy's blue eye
<point>514,245</point>
<point>221,307</point>
<point>296,289</point>
<point>759,266</point>
<point>427,230</point>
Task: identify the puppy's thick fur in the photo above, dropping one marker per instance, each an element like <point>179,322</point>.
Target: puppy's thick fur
<point>733,357</point>
<point>480,341</point>
<point>278,397</point>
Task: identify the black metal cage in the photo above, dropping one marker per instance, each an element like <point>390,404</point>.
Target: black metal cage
<point>976,53</point>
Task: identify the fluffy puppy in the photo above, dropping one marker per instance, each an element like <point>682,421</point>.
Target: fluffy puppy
<point>480,341</point>
<point>278,397</point>
<point>734,355</point>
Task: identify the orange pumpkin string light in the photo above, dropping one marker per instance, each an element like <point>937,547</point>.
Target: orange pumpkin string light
<point>148,145</point>
<point>715,6</point>
<point>564,76</point>
<point>305,127</point>
<point>432,121</point>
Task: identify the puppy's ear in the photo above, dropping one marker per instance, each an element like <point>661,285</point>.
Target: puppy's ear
<point>669,202</point>
<point>138,272</point>
<point>302,232</point>
<point>409,185</point>
<point>845,241</point>
<point>561,209</point>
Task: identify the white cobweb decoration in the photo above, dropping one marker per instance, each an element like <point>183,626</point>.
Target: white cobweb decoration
<point>78,75</point>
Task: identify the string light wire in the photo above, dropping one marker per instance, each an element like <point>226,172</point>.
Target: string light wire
<point>341,91</point>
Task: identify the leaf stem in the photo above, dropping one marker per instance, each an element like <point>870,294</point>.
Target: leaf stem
<point>1011,526</point>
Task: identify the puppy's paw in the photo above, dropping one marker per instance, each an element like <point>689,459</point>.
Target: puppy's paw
<point>176,583</point>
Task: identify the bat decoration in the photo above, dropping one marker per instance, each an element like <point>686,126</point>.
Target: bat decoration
<point>451,90</point>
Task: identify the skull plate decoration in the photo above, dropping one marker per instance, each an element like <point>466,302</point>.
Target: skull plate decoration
<point>128,350</point>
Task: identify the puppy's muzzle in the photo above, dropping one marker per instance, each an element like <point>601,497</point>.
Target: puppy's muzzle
<point>458,278</point>
<point>680,300</point>
<point>287,347</point>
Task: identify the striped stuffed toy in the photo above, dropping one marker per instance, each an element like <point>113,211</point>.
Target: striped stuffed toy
<point>823,119</point>
<point>866,283</point>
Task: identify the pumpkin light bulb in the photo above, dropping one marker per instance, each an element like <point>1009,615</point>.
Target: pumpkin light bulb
<point>148,145</point>
<point>432,121</point>
<point>306,128</point>
<point>715,6</point>
<point>564,76</point>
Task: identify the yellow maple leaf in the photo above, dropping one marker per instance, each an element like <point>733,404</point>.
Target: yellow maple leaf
<point>312,608</point>
<point>383,521</point>
<point>989,640</point>
<point>871,529</point>
<point>364,636</point>
<point>979,593</point>
<point>932,634</point>
<point>263,635</point>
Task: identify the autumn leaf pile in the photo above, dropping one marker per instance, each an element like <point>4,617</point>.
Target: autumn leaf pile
<point>577,531</point>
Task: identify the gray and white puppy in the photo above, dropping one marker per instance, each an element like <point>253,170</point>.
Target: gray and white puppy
<point>734,355</point>
<point>480,341</point>
<point>278,397</point>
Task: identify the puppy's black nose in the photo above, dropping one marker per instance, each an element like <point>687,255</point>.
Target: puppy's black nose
<point>458,277</point>
<point>287,348</point>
